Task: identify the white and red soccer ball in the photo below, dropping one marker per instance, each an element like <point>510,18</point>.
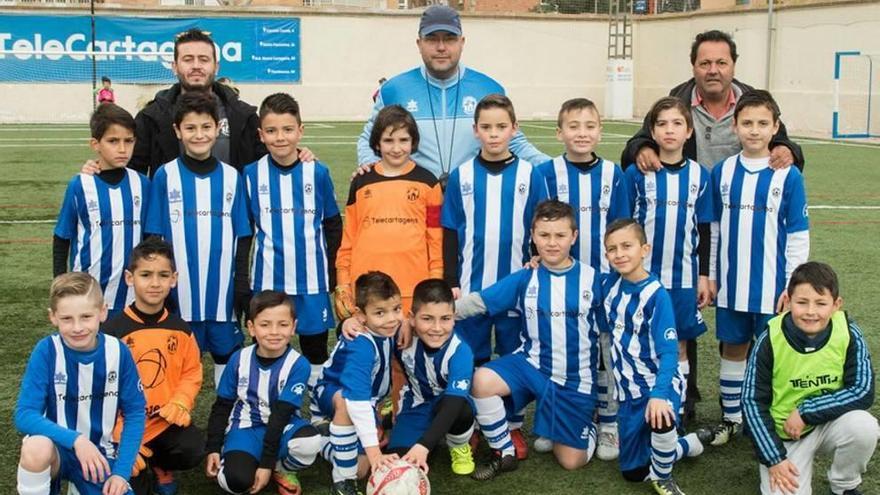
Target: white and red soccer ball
<point>399,478</point>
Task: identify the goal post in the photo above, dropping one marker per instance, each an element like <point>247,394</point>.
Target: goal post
<point>856,93</point>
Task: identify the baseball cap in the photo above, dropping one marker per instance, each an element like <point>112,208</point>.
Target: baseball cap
<point>440,18</point>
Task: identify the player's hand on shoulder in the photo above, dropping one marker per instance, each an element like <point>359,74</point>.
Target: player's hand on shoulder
<point>306,155</point>
<point>404,335</point>
<point>647,160</point>
<point>781,157</point>
<point>343,302</point>
<point>212,465</point>
<point>91,167</point>
<point>351,328</point>
<point>261,479</point>
<point>456,293</point>
<point>782,303</point>
<point>95,467</point>
<point>361,170</point>
<point>115,485</point>
<point>418,457</point>
<point>533,263</point>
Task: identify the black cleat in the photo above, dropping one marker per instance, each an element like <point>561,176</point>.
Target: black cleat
<point>496,465</point>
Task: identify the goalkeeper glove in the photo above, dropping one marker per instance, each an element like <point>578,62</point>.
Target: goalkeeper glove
<point>140,462</point>
<point>344,304</point>
<point>176,413</point>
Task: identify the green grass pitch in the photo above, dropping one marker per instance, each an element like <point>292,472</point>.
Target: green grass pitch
<point>843,186</point>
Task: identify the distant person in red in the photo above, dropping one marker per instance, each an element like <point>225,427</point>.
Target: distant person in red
<point>105,94</point>
<point>376,93</point>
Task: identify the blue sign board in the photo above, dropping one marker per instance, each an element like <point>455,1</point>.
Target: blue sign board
<point>42,48</point>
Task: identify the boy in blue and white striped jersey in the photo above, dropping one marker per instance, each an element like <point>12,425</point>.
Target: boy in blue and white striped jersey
<point>674,206</point>
<point>760,234</point>
<point>439,366</point>
<point>297,226</point>
<point>76,383</point>
<point>197,204</point>
<point>355,378</point>
<point>102,216</point>
<point>256,426</point>
<point>644,355</point>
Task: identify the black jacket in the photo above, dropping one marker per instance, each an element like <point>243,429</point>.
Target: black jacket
<point>157,144</point>
<point>684,91</point>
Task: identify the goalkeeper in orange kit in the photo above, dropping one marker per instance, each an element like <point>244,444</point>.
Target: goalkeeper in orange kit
<point>169,365</point>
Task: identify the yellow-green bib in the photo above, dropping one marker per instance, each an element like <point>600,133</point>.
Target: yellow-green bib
<point>798,377</point>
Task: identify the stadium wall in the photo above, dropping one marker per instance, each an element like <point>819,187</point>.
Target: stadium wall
<point>541,59</point>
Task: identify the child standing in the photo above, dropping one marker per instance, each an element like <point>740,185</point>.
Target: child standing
<point>73,374</point>
<point>674,206</point>
<point>255,430</point>
<point>808,389</point>
<point>297,226</point>
<point>761,231</point>
<point>198,206</point>
<point>168,362</point>
<point>644,355</point>
<point>106,94</point>
<point>102,216</point>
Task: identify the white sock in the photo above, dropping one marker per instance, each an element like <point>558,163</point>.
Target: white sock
<point>688,446</point>
<point>663,447</point>
<point>731,378</point>
<point>31,483</point>
<point>606,405</point>
<point>457,440</point>
<point>301,452</point>
<point>345,452</point>
<point>314,375</point>
<point>493,424</point>
<point>218,372</point>
<point>684,369</point>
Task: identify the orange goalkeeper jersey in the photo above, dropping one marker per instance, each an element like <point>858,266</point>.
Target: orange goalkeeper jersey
<point>392,224</point>
<point>167,358</point>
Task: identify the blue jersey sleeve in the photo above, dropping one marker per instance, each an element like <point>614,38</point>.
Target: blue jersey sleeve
<point>504,294</point>
<point>451,212</point>
<point>620,203</point>
<point>132,404</point>
<point>241,216</point>
<point>157,209</point>
<point>328,193</point>
<point>357,375</point>
<point>33,397</point>
<point>228,387</point>
<point>665,340</point>
<point>65,227</point>
<point>546,170</point>
<point>704,198</point>
<point>796,215</point>
<point>296,384</point>
<point>634,179</point>
<point>461,371</point>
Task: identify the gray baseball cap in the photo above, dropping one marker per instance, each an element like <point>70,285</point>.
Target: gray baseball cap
<point>440,18</point>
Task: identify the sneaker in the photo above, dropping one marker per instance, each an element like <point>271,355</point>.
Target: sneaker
<point>608,445</point>
<point>519,443</point>
<point>462,460</point>
<point>345,487</point>
<point>666,487</point>
<point>165,483</point>
<point>719,434</point>
<point>542,445</point>
<point>287,482</point>
<point>496,465</point>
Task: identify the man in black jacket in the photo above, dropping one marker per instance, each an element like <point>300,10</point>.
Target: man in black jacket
<point>195,63</point>
<point>712,95</point>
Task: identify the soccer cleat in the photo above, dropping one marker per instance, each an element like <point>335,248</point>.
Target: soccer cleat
<point>165,482</point>
<point>287,482</point>
<point>608,445</point>
<point>462,460</point>
<point>666,487</point>
<point>496,465</point>
<point>719,434</point>
<point>542,445</point>
<point>345,487</point>
<point>519,443</point>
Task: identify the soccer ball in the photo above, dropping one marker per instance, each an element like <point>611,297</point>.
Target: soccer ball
<point>399,478</point>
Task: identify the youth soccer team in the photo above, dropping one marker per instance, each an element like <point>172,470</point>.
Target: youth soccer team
<point>592,279</point>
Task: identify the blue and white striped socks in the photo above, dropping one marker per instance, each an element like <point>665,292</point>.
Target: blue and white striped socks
<point>732,374</point>
<point>345,452</point>
<point>493,423</point>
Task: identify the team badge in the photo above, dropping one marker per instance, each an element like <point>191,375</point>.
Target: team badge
<point>412,194</point>
<point>521,188</point>
<point>469,105</point>
<point>412,106</point>
<point>587,295</point>
<point>462,384</point>
<point>606,190</point>
<point>228,197</point>
<point>111,377</point>
<point>308,188</point>
<point>776,192</point>
<point>670,334</point>
<point>137,201</point>
<point>298,388</point>
<point>171,344</point>
<point>693,188</point>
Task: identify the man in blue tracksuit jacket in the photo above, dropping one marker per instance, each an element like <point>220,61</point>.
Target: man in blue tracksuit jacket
<point>442,95</point>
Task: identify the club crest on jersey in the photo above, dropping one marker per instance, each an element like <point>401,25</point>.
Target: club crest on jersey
<point>111,377</point>
<point>264,188</point>
<point>229,197</point>
<point>412,194</point>
<point>171,344</point>
<point>586,295</point>
<point>60,378</point>
<point>521,188</point>
<point>137,201</point>
<point>93,205</point>
<point>606,190</point>
<point>670,334</point>
<point>462,384</point>
<point>469,105</point>
<point>467,188</point>
<point>298,388</point>
<point>412,106</point>
<point>776,192</point>
<point>174,196</point>
<point>308,188</point>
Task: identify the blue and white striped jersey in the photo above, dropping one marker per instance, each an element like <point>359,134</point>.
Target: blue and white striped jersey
<point>201,216</point>
<point>561,320</point>
<point>644,343</point>
<point>255,387</point>
<point>360,367</point>
<point>492,214</point>
<point>288,207</point>
<point>756,210</point>
<point>65,393</point>
<point>104,223</point>
<point>446,371</point>
<point>669,204</point>
<point>598,195</point>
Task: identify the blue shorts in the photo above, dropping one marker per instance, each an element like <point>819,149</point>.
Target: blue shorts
<point>635,433</point>
<point>739,327</point>
<point>562,414</point>
<point>71,470</point>
<point>250,440</point>
<point>314,314</point>
<point>477,333</point>
<point>220,338</point>
<point>412,422</point>
<point>688,319</point>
